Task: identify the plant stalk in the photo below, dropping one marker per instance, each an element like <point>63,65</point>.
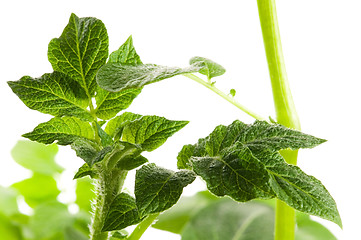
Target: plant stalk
<point>284,106</point>
<point>109,185</point>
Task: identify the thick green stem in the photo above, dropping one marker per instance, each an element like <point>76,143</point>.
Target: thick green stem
<point>109,185</point>
<point>142,227</point>
<point>284,106</point>
<point>223,95</point>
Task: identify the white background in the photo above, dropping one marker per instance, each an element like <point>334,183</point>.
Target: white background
<point>321,42</point>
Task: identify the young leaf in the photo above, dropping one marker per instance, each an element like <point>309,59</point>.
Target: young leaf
<point>55,94</point>
<point>125,54</point>
<point>226,219</point>
<point>110,103</point>
<point>115,77</point>
<point>37,189</point>
<point>85,170</point>
<point>122,213</point>
<point>157,189</point>
<point>115,126</point>
<point>106,140</point>
<point>126,156</point>
<point>80,51</point>
<point>209,68</point>
<point>150,132</point>
<point>36,157</point>
<point>89,152</point>
<point>64,130</point>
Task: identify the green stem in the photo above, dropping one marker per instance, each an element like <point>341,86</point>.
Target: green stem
<point>142,227</point>
<point>223,95</point>
<point>284,106</point>
<point>110,184</point>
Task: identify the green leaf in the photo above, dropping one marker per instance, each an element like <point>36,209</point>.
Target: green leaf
<point>64,130</point>
<point>209,68</point>
<point>8,201</point>
<point>115,126</point>
<point>122,213</point>
<point>53,93</point>
<point>36,157</point>
<point>110,103</point>
<point>157,189</point>
<point>241,161</point>
<point>232,92</point>
<point>85,170</point>
<point>80,51</point>
<point>115,77</point>
<point>122,234</point>
<point>50,219</point>
<point>174,219</point>
<point>151,131</point>
<point>299,190</point>
<point>37,189</point>
<point>85,193</point>
<point>227,219</point>
<point>125,54</point>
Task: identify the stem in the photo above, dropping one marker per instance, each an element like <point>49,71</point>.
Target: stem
<point>110,184</point>
<point>284,106</point>
<point>142,227</point>
<point>223,95</point>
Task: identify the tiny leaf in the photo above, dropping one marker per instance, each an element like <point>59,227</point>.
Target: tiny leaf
<point>122,213</point>
<point>80,51</point>
<point>88,151</point>
<point>209,68</point>
<point>232,92</point>
<point>55,94</point>
<point>106,140</point>
<point>126,156</point>
<point>157,189</point>
<point>151,131</point>
<point>64,130</point>
<point>115,77</point>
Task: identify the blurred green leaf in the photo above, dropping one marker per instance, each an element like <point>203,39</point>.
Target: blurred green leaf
<point>84,193</point>
<point>8,201</point>
<point>227,219</point>
<point>8,230</point>
<point>36,157</point>
<point>49,219</point>
<point>174,219</point>
<point>37,189</point>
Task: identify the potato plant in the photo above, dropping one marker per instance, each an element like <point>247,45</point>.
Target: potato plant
<point>88,93</point>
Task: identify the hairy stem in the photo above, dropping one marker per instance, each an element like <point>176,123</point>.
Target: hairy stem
<point>109,185</point>
<point>142,227</point>
<point>284,106</point>
<point>225,96</point>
